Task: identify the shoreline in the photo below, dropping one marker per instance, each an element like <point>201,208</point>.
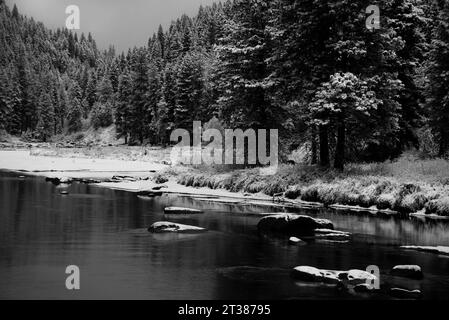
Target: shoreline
<point>138,176</point>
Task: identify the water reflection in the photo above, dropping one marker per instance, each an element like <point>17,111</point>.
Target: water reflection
<point>104,233</point>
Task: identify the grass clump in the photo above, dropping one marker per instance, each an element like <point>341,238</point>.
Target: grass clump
<point>438,206</point>
<point>406,185</point>
<point>160,178</point>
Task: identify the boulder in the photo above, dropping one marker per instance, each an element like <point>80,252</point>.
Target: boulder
<point>292,225</point>
<point>179,210</point>
<point>404,293</point>
<point>166,227</point>
<point>353,276</point>
<point>408,271</point>
<point>312,274</point>
<point>295,240</point>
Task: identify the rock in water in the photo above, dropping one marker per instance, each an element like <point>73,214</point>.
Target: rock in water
<point>165,227</point>
<point>408,271</point>
<point>295,240</point>
<point>292,225</point>
<point>405,294</point>
<point>313,274</point>
<point>355,276</point>
<point>179,210</point>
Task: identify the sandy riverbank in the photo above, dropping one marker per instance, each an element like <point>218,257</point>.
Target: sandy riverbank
<point>386,193</point>
<point>106,169</point>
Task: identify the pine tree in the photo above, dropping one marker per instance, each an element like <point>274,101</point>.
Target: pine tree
<point>74,108</point>
<point>243,76</point>
<point>105,90</point>
<point>5,102</point>
<point>90,93</point>
<point>123,108</point>
<point>15,12</point>
<point>138,116</point>
<point>189,92</point>
<point>438,94</point>
<point>74,115</point>
<point>154,96</point>
<point>46,123</point>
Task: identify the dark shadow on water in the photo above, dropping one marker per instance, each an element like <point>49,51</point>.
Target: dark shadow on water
<point>104,232</point>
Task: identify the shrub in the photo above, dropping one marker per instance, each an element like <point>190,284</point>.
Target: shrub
<point>310,194</point>
<point>386,201</point>
<point>293,192</point>
<point>438,206</point>
<point>413,202</point>
<point>160,178</point>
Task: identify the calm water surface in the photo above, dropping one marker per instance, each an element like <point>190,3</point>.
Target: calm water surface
<point>103,232</point>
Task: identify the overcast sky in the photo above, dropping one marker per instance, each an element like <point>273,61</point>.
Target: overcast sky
<point>123,23</point>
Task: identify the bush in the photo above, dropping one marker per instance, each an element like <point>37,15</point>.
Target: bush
<point>160,178</point>
<point>293,192</point>
<point>413,202</point>
<point>438,206</point>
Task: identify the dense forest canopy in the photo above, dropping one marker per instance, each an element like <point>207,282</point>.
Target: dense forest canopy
<point>309,68</point>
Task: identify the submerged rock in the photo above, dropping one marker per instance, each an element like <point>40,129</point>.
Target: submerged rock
<point>404,293</point>
<point>437,249</point>
<point>295,240</point>
<point>313,274</point>
<point>408,271</point>
<point>292,225</point>
<point>164,227</point>
<point>179,210</point>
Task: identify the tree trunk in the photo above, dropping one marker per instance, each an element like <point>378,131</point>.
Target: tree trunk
<point>324,147</point>
<point>339,161</point>
<point>314,159</point>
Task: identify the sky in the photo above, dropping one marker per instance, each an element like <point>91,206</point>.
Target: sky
<point>122,23</point>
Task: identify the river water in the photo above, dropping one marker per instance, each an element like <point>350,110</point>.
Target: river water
<point>103,232</point>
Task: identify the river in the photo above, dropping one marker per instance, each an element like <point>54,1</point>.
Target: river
<point>104,233</point>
